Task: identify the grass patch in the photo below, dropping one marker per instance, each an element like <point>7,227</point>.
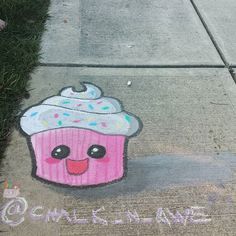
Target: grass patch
<point>19,54</point>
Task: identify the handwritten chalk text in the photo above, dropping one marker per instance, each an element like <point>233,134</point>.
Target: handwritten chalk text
<point>13,213</point>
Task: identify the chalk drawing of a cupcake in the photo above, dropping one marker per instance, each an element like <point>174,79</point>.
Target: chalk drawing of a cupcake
<point>79,138</point>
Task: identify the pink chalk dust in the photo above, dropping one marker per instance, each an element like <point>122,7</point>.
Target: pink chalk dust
<point>78,168</point>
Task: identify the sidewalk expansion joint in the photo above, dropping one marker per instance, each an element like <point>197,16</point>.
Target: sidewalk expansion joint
<point>127,66</point>
<point>213,40</point>
<point>221,54</point>
<point>233,74</point>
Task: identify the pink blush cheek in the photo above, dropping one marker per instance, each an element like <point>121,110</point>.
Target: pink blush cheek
<point>103,160</point>
<point>51,160</point>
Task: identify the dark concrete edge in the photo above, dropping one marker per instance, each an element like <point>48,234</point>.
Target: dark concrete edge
<point>131,66</point>
<point>210,34</point>
<point>232,71</point>
<point>214,40</point>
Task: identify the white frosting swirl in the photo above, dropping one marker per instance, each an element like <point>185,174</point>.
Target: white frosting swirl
<point>91,92</point>
<point>86,110</point>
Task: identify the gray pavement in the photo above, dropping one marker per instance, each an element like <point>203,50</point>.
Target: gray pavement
<point>127,33</point>
<point>188,129</point>
<point>180,178</point>
<point>221,20</point>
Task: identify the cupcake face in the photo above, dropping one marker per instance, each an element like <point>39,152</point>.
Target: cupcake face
<point>78,157</point>
<point>78,138</point>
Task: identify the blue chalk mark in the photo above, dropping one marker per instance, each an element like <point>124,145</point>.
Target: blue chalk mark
<point>34,114</point>
<point>66,114</point>
<point>128,118</point>
<point>93,124</point>
<point>105,108</point>
<point>90,106</point>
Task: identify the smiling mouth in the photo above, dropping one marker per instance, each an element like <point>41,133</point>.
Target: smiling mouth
<point>75,167</point>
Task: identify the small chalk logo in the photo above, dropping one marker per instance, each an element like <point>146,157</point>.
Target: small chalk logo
<point>11,190</point>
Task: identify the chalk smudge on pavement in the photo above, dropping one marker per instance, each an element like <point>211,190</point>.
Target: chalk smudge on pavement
<point>162,172</point>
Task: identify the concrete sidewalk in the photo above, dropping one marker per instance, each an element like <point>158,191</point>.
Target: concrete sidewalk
<point>180,179</point>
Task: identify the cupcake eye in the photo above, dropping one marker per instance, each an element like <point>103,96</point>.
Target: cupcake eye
<point>60,152</point>
<point>96,151</point>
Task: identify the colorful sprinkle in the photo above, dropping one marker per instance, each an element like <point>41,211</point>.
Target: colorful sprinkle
<point>93,124</point>
<point>90,106</point>
<point>66,114</point>
<point>56,115</point>
<point>78,105</point>
<point>104,124</point>
<point>118,125</point>
<point>90,119</point>
<point>128,118</point>
<point>34,114</point>
<point>99,102</point>
<point>105,108</point>
<point>9,184</point>
<point>65,102</point>
<point>5,184</point>
<point>45,123</point>
<point>76,121</point>
<point>60,122</point>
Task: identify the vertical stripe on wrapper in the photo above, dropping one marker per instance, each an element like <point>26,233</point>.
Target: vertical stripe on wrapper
<point>99,171</point>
